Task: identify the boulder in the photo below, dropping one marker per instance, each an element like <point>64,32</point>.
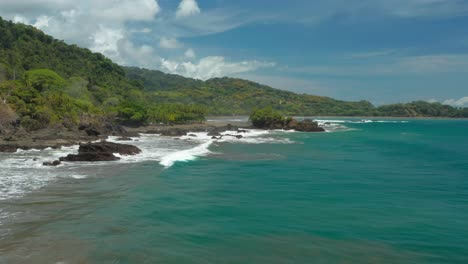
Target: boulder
<point>235,136</point>
<point>109,147</point>
<point>308,126</point>
<point>124,139</point>
<point>192,135</point>
<point>101,151</point>
<point>91,131</point>
<point>214,134</point>
<point>52,163</point>
<point>96,156</point>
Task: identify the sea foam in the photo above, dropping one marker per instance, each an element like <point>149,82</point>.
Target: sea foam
<point>186,155</point>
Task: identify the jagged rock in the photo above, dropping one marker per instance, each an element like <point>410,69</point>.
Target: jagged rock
<point>90,130</point>
<point>236,136</point>
<point>10,148</point>
<point>52,163</point>
<point>307,126</point>
<point>101,151</point>
<point>124,139</point>
<point>292,124</point>
<point>90,157</point>
<point>214,133</point>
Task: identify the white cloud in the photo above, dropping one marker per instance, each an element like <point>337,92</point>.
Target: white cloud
<point>190,53</point>
<point>101,25</point>
<point>462,102</point>
<point>20,19</point>
<point>212,66</point>
<point>125,10</point>
<point>169,43</point>
<point>106,40</point>
<point>42,22</point>
<point>187,8</point>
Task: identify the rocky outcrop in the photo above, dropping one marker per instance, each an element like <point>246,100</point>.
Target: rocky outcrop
<point>101,151</point>
<point>54,163</point>
<point>306,125</point>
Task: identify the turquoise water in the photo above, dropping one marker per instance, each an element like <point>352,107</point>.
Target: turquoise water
<point>371,193</point>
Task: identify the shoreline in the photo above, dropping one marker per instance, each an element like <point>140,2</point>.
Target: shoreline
<point>57,137</point>
<point>60,137</point>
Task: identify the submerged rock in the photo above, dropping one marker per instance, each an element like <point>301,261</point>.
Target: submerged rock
<point>101,151</point>
<point>124,139</point>
<point>52,163</point>
<point>235,136</point>
<point>214,134</point>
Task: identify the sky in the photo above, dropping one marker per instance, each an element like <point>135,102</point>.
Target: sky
<point>384,51</point>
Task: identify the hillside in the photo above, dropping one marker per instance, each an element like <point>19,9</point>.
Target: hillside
<point>45,82</point>
<point>230,96</point>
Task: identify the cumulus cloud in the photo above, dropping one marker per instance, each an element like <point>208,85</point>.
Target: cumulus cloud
<point>42,22</point>
<point>462,102</point>
<point>116,28</point>
<point>190,53</point>
<point>187,8</point>
<point>169,43</point>
<point>98,25</point>
<point>212,66</point>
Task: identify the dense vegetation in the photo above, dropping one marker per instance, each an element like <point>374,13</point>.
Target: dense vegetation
<point>229,96</point>
<point>44,82</point>
<point>264,117</point>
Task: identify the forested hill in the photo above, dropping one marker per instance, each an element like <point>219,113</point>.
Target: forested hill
<point>44,81</point>
<point>228,96</point>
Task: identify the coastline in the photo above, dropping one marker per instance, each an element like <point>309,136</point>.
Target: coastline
<point>59,137</point>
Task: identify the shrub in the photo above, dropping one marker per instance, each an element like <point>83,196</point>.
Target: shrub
<point>266,117</point>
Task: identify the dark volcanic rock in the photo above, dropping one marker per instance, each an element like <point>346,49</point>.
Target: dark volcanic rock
<point>93,156</point>
<point>305,126</point>
<point>9,148</point>
<point>235,136</point>
<point>124,139</point>
<point>214,134</point>
<point>109,147</point>
<point>101,151</point>
<point>90,130</point>
<point>53,163</point>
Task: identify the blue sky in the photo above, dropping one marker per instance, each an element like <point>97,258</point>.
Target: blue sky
<point>385,51</point>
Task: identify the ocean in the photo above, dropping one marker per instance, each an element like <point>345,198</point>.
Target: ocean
<point>366,191</point>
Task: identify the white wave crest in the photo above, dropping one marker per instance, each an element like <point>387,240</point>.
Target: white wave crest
<point>186,155</point>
